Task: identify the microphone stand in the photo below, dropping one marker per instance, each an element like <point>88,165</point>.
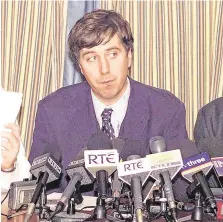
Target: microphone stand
<point>76,198</point>
<point>210,206</point>
<point>197,213</point>
<point>100,210</point>
<point>44,210</point>
<point>102,183</point>
<point>163,205</point>
<point>102,190</point>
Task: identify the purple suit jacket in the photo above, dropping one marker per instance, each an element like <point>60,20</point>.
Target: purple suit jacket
<point>66,120</point>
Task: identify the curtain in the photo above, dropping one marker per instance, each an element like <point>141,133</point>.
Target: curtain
<point>178,47</point>
<point>76,9</point>
<point>32,54</point>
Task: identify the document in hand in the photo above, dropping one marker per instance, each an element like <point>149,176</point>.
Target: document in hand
<point>10,103</point>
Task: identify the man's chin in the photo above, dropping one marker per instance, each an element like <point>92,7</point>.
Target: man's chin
<point>110,98</point>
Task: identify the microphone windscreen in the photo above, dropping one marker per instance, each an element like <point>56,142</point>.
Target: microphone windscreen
<point>99,141</point>
<point>212,145</point>
<point>157,144</point>
<point>187,147</point>
<point>132,147</point>
<point>78,166</point>
<point>46,163</point>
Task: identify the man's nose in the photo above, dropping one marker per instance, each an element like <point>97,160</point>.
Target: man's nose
<point>105,67</point>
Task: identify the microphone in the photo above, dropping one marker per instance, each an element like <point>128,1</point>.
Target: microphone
<point>165,165</point>
<point>101,164</point>
<point>70,189</point>
<point>98,139</point>
<point>47,169</point>
<point>78,166</point>
<point>101,161</point>
<point>194,170</point>
<point>214,147</point>
<point>187,148</point>
<point>135,171</point>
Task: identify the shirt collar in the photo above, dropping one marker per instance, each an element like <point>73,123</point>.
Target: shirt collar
<point>99,106</point>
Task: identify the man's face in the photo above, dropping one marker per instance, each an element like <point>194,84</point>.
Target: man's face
<point>105,67</point>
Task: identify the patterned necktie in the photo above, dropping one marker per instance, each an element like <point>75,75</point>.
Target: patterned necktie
<point>106,123</point>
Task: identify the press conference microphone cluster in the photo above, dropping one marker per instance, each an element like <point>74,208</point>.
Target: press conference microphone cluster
<point>126,163</point>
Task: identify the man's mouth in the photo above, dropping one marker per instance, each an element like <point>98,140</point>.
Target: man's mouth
<point>108,82</point>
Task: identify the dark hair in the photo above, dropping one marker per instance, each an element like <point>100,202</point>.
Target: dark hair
<point>94,27</point>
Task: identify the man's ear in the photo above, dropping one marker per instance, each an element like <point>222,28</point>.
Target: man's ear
<point>129,55</point>
<point>80,68</point>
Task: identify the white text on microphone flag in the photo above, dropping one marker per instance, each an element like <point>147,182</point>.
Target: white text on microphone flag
<point>196,163</point>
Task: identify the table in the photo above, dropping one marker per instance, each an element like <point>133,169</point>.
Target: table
<point>20,218</point>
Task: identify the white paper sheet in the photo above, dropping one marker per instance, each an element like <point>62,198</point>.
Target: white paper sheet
<point>10,103</point>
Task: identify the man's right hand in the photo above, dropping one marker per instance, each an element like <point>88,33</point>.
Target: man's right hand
<point>10,144</point>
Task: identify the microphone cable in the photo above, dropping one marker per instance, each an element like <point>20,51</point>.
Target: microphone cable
<point>3,202</point>
<point>155,217</point>
<point>5,196</point>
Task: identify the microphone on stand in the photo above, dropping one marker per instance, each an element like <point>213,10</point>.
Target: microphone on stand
<point>134,171</point>
<point>47,169</point>
<point>165,165</point>
<point>101,161</point>
<point>214,147</point>
<point>194,170</point>
<point>70,189</point>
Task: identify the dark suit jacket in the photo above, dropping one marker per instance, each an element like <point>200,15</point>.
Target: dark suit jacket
<point>66,119</point>
<point>209,121</point>
<point>208,130</point>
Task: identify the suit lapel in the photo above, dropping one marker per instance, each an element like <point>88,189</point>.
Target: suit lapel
<point>137,114</point>
<point>83,116</point>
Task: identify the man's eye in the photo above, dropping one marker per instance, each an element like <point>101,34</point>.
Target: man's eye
<point>113,55</point>
<point>92,59</point>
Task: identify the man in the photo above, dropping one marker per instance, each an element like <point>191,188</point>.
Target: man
<point>208,130</point>
<point>101,44</point>
<point>14,165</point>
